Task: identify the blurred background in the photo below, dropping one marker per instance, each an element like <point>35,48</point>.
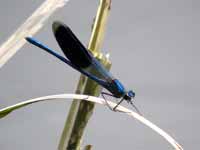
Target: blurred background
<point>154,48</point>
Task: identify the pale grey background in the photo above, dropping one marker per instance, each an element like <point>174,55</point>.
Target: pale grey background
<point>154,46</point>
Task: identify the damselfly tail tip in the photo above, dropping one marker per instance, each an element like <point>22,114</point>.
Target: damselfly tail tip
<point>34,42</point>
<point>27,38</point>
<point>30,39</point>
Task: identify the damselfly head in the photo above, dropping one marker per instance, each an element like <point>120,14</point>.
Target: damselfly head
<point>129,95</point>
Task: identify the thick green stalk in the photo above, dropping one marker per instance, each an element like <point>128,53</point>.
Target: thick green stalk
<point>81,111</point>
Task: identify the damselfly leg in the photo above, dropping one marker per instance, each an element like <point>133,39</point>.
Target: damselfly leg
<point>137,110</point>
<point>107,104</point>
<point>102,94</point>
<point>114,109</point>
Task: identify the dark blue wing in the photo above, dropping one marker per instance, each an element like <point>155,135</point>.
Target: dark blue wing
<point>76,52</point>
<point>71,46</point>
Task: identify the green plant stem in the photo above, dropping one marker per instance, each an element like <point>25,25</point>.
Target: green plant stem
<point>81,111</point>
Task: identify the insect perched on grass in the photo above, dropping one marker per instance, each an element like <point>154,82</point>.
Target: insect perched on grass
<point>79,58</point>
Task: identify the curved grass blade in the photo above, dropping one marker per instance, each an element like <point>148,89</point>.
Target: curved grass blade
<point>167,137</point>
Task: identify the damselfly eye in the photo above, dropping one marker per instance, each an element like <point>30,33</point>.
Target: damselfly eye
<point>131,94</point>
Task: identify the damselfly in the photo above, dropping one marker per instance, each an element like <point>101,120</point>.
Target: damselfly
<point>81,59</point>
